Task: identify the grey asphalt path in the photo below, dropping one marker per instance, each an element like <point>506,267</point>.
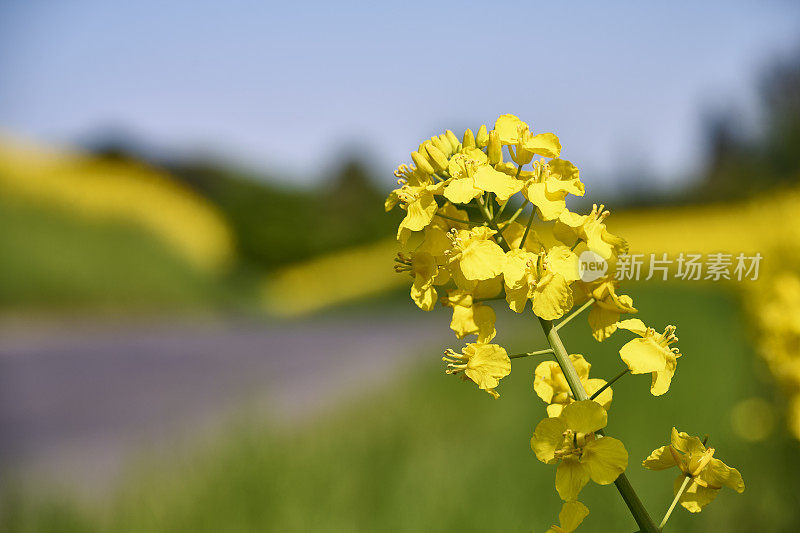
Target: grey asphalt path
<point>79,401</point>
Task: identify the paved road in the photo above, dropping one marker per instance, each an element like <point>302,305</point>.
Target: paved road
<point>78,401</point>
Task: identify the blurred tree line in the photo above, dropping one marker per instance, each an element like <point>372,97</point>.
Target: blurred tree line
<point>741,164</point>
<point>277,225</point>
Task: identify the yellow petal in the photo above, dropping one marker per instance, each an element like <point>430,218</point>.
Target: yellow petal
<point>517,265</point>
<point>695,497</point>
<point>660,459</point>
<point>487,365</point>
<point>482,260</point>
<point>571,477</point>
<point>550,204</point>
<point>517,298</point>
<point>547,438</point>
<point>686,443</point>
<point>508,128</point>
<point>564,261</point>
<point>552,297</point>
<point>603,322</point>
<point>424,295</point>
<point>606,458</point>
<point>663,378</point>
<point>420,212</point>
<point>572,515</point>
<point>564,169</point>
<point>502,185</point>
<point>544,144</point>
<point>644,356</point>
<point>585,416</point>
<point>718,474</point>
<point>633,324</point>
<point>543,380</point>
<point>595,384</point>
<point>461,191</point>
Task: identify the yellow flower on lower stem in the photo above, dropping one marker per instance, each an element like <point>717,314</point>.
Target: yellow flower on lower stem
<point>570,440</point>
<point>651,354</point>
<point>607,309</point>
<point>552,387</point>
<point>707,474</point>
<point>571,516</point>
<point>485,364</point>
<point>470,317</point>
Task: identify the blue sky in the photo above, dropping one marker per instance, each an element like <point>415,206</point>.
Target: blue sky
<point>289,87</point>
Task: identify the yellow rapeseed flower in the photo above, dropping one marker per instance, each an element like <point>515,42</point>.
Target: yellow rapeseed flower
<point>485,364</point>
<point>707,473</point>
<point>571,516</point>
<point>651,354</point>
<point>592,230</point>
<point>475,255</point>
<point>570,440</point>
<point>552,387</point>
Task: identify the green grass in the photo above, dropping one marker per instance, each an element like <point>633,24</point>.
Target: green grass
<point>53,260</point>
<point>431,453</point>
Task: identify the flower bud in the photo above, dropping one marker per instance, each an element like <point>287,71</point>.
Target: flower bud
<point>453,141</point>
<point>482,138</point>
<point>442,144</point>
<point>436,157</point>
<point>422,163</point>
<point>469,140</point>
<point>520,155</point>
<point>495,151</point>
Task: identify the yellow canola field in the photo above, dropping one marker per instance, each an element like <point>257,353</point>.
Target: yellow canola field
<point>118,191</point>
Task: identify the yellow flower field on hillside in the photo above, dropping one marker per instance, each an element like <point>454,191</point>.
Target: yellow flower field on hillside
<point>120,191</point>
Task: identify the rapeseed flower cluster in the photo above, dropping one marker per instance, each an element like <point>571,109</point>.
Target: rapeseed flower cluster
<point>487,223</point>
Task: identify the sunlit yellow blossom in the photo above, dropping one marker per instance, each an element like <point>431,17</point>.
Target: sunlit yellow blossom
<point>571,516</point>
<point>523,144</point>
<point>651,354</point>
<point>423,268</point>
<point>416,197</point>
<point>475,254</point>
<point>435,238</point>
<point>470,317</point>
<point>471,175</point>
<point>707,473</point>
<point>485,364</point>
<point>552,295</point>
<point>592,230</point>
<point>548,185</point>
<point>570,440</point>
<point>552,387</point>
<point>607,309</point>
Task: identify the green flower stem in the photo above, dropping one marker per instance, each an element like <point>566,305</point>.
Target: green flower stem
<point>607,385</point>
<point>528,228</point>
<point>643,520</point>
<point>573,315</point>
<point>675,501</point>
<point>531,354</point>
<point>516,214</point>
<point>492,224</point>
